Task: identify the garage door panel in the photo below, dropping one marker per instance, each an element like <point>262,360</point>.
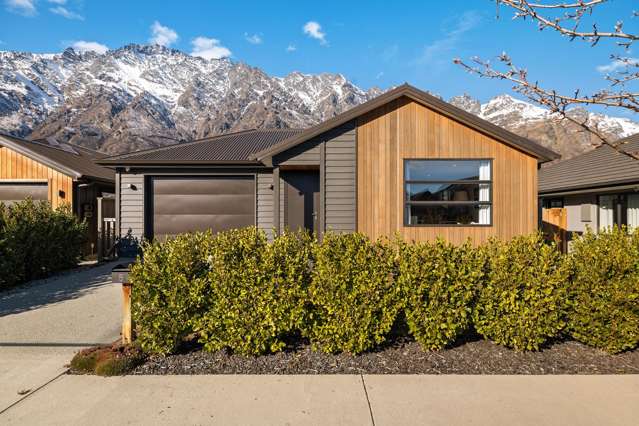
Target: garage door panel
<point>177,224</point>
<point>204,204</point>
<point>226,185</point>
<point>185,204</point>
<point>14,192</point>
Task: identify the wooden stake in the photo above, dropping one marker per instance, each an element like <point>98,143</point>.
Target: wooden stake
<point>127,323</point>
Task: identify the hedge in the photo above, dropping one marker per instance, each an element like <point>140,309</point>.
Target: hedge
<point>354,298</point>
<point>237,290</point>
<point>439,281</point>
<point>522,301</point>
<point>604,268</point>
<point>37,240</point>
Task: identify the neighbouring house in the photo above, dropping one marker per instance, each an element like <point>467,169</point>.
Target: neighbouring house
<point>597,189</point>
<point>57,172</point>
<point>405,162</point>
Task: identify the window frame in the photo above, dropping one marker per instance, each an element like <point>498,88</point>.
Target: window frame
<point>406,202</point>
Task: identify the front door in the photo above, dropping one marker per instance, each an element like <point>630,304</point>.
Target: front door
<point>301,200</point>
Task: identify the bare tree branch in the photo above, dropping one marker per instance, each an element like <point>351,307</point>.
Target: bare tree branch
<point>621,71</point>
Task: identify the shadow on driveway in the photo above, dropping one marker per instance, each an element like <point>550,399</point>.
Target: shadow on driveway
<point>39,293</point>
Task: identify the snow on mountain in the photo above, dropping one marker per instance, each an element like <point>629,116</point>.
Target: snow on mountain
<point>140,96</point>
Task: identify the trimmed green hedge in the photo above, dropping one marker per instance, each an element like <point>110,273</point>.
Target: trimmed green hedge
<point>439,281</point>
<point>36,240</point>
<point>522,301</point>
<point>354,298</point>
<point>604,312</point>
<point>239,291</point>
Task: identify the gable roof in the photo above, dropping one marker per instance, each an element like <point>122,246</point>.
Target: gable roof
<point>541,153</point>
<point>71,160</point>
<point>230,148</point>
<point>602,166</point>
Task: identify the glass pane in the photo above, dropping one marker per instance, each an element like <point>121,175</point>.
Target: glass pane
<point>447,215</point>
<point>443,192</point>
<point>439,170</point>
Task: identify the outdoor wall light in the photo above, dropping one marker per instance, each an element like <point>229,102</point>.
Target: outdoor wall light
<point>132,187</point>
<point>61,194</point>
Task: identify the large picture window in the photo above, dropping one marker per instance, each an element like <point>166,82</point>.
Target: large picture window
<point>447,192</point>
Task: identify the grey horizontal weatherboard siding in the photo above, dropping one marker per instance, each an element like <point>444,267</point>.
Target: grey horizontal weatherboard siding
<point>340,180</point>
<point>131,205</point>
<point>305,154</point>
<point>264,209</point>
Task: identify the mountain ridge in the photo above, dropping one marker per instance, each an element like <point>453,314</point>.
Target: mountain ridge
<point>143,96</point>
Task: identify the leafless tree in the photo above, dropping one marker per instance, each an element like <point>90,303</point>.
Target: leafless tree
<point>569,19</point>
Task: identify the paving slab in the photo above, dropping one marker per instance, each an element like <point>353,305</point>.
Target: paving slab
<point>504,400</point>
<point>43,323</point>
<point>226,400</point>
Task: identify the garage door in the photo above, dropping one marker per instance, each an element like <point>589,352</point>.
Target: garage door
<point>183,204</point>
<point>11,192</point>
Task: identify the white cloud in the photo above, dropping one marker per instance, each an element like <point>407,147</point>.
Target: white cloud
<point>379,75</point>
<point>439,51</point>
<point>617,65</point>
<point>209,48</point>
<point>89,46</point>
<point>291,48</point>
<point>164,36</point>
<point>253,39</point>
<point>63,11</point>
<point>314,30</point>
<point>23,7</point>
<point>60,2</point>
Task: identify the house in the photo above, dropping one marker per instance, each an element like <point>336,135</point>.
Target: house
<point>403,162</point>
<point>597,189</point>
<point>56,172</point>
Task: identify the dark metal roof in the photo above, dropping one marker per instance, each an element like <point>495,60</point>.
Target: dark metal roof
<point>444,108</point>
<point>71,160</point>
<point>603,166</point>
<point>231,148</point>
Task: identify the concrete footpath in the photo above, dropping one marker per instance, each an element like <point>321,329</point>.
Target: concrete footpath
<point>43,323</point>
<point>332,400</point>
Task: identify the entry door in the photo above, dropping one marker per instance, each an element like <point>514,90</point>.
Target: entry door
<point>301,200</point>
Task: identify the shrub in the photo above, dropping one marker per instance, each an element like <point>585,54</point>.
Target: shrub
<point>439,281</point>
<point>353,296</point>
<point>169,290</point>
<point>36,240</point>
<point>604,268</point>
<point>522,301</point>
<point>257,290</point>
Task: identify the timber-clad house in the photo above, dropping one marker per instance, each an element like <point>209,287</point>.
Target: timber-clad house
<point>57,172</point>
<point>403,162</point>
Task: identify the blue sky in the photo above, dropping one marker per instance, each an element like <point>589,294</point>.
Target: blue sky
<point>373,43</point>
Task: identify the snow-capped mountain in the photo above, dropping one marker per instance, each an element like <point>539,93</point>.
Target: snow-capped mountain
<point>141,96</point>
<point>540,125</point>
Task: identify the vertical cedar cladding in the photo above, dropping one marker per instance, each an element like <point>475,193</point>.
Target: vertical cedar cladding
<point>404,129</point>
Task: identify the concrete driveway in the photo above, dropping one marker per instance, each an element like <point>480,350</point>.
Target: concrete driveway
<point>43,323</point>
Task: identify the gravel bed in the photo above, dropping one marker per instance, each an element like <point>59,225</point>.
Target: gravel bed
<point>403,356</point>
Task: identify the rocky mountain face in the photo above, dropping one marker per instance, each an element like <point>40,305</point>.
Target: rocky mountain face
<point>537,124</point>
<point>142,96</point>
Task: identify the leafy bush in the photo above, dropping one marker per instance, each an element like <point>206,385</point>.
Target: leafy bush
<point>36,240</point>
<point>522,301</point>
<point>257,290</point>
<point>439,281</point>
<point>353,296</point>
<point>604,268</point>
<point>169,290</point>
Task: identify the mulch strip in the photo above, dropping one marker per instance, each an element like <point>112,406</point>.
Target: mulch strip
<point>402,356</point>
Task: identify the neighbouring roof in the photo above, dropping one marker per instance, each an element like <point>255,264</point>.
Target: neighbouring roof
<point>436,104</point>
<point>603,166</point>
<point>71,160</point>
<point>230,148</point>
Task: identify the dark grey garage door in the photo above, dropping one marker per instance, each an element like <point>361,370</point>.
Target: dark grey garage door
<point>11,192</point>
<point>183,204</point>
